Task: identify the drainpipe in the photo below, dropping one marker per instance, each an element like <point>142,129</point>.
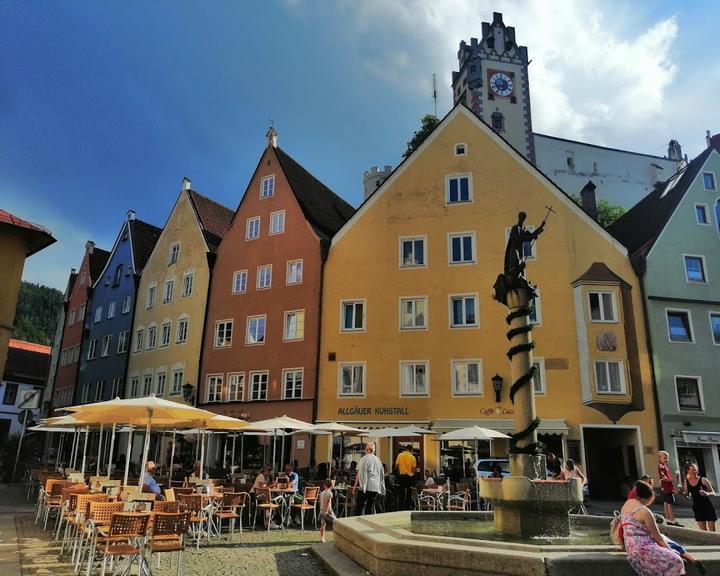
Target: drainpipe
<point>211,258</point>
<point>324,251</point>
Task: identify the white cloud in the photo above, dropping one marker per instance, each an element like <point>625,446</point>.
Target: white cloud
<point>595,75</point>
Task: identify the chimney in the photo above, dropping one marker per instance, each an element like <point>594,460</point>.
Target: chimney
<point>272,137</point>
<point>131,214</point>
<point>73,271</point>
<point>587,200</point>
<point>186,183</point>
<point>89,246</point>
<point>708,140</point>
<point>675,151</point>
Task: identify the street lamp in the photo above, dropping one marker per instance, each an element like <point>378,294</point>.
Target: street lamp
<point>497,383</point>
<point>188,395</point>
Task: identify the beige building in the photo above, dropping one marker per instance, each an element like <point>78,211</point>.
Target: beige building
<point>170,306</point>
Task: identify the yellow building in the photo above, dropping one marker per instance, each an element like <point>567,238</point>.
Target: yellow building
<point>171,298</point>
<point>411,333</point>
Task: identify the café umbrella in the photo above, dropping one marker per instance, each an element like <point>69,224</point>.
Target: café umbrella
<point>280,423</point>
<point>337,428</point>
<point>473,433</point>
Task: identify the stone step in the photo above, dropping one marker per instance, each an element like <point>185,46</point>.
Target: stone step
<point>336,562</point>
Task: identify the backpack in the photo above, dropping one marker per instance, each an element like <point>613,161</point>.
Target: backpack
<point>616,530</point>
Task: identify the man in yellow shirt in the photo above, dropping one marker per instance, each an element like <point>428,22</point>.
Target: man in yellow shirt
<point>406,465</point>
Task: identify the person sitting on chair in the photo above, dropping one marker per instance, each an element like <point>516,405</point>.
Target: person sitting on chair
<point>149,483</point>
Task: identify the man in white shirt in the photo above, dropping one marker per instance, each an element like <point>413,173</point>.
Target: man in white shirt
<point>371,480</point>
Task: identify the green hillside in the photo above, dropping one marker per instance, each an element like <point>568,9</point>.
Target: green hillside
<point>36,313</point>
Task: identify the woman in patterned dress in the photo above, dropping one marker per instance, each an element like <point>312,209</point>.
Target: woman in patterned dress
<point>647,551</point>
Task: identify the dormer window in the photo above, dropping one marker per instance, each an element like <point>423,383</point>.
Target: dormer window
<point>460,149</point>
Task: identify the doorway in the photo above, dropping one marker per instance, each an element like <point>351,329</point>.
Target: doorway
<point>610,460</point>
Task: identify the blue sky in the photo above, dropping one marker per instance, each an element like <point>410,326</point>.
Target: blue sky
<point>105,106</point>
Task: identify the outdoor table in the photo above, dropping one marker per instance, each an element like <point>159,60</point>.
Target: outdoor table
<point>286,494</point>
<point>437,493</point>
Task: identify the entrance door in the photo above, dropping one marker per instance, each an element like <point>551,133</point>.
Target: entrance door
<point>610,468</point>
<point>691,456</point>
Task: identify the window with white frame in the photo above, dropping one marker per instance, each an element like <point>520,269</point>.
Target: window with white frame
<point>458,188</point>
<point>255,329</point>
<point>116,385</point>
<point>294,272</point>
<point>352,380</point>
<point>126,305</point>
<point>85,392</point>
<point>165,332</point>
<point>150,297</point>
<point>467,377</point>
<point>413,313</point>
<point>182,331</point>
<point>463,311</point>
<point>701,214</point>
<point>99,390</point>
<point>414,380</point>
<point>293,381</point>
<point>689,394</point>
<point>252,228</point>
<point>679,326</point>
<point>461,248</point>
<point>294,325</point>
<point>223,333</point>
<point>277,222</point>
<point>239,282</point>
<point>107,340</point>
<point>187,285</point>
<point>91,349</point>
<point>98,313</point>
<point>715,327</point>
<point>258,385</point>
<point>139,337</point>
<point>709,180</point>
<point>602,306</point>
<point>81,312</point>
<point>236,387</point>
<point>147,384</point>
<point>267,186</point>
<point>412,252</point>
<point>695,269</point>
<point>353,315</point>
<point>168,293</point>
<point>134,385</point>
<point>151,337</point>
<point>177,381</point>
<point>111,310</point>
<point>535,317</point>
<point>609,377</point>
<point>460,149</point>
<point>118,275</point>
<point>174,254</point>
<point>264,276</point>
<point>539,378</point>
<point>160,378</point>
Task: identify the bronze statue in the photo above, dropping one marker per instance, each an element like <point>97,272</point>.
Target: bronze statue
<point>513,277</point>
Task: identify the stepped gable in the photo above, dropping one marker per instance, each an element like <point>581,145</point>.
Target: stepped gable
<point>214,218</point>
<point>98,259</point>
<point>639,227</point>
<point>324,209</point>
<point>144,237</point>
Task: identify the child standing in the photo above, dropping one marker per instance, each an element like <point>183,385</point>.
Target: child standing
<point>326,512</point>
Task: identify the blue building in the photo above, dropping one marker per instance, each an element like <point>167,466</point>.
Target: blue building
<point>108,322</point>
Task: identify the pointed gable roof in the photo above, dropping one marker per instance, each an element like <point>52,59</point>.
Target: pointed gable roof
<point>324,209</point>
<point>38,237</point>
<point>640,227</point>
<point>214,218</point>
<point>97,260</point>
<point>144,237</point>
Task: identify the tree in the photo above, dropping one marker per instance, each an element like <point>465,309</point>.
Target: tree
<point>427,125</point>
<point>606,213</point>
<point>36,313</point>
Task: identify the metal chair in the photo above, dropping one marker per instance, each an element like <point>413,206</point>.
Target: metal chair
<point>75,525</point>
<point>124,539</point>
<point>309,502</point>
<point>459,501</point>
<point>166,506</point>
<point>192,503</point>
<point>168,535</point>
<point>98,517</point>
<point>228,509</point>
<point>269,506</point>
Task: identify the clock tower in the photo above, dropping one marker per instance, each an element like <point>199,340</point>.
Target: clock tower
<point>493,83</point>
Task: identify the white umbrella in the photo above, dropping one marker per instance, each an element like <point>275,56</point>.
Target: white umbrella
<point>341,429</point>
<point>406,431</point>
<point>472,433</point>
<point>280,424</point>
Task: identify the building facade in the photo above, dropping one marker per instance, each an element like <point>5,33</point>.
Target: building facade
<point>412,335</point>
<point>65,373</point>
<point>674,237</point>
<point>109,314</point>
<point>260,349</point>
<point>172,294</point>
<point>492,80</point>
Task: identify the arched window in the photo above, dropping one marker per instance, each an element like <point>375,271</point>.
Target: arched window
<point>118,275</point>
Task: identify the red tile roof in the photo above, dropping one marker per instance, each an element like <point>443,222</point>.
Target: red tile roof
<point>214,218</point>
<point>39,237</point>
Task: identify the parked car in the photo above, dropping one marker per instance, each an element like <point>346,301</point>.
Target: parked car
<point>484,466</point>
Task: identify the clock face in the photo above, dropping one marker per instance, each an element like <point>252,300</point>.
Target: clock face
<point>501,84</point>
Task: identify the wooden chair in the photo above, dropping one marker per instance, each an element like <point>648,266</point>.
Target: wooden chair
<point>166,506</point>
<point>53,500</point>
<point>192,503</point>
<point>76,524</point>
<point>126,528</point>
<point>141,501</point>
<point>168,535</point>
<point>65,497</point>
<point>309,502</point>
<point>267,505</point>
<point>185,490</point>
<point>170,494</point>
<point>228,510</point>
<point>99,516</point>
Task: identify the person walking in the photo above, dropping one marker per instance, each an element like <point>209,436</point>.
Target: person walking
<point>699,489</point>
<point>370,479</point>
<point>667,487</point>
<point>405,463</point>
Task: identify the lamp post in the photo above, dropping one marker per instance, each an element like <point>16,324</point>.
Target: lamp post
<point>497,384</point>
<point>188,395</point>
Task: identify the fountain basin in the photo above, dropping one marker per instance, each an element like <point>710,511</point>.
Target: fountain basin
<point>384,545</point>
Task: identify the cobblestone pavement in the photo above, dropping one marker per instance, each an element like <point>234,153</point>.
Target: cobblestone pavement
<point>26,550</point>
